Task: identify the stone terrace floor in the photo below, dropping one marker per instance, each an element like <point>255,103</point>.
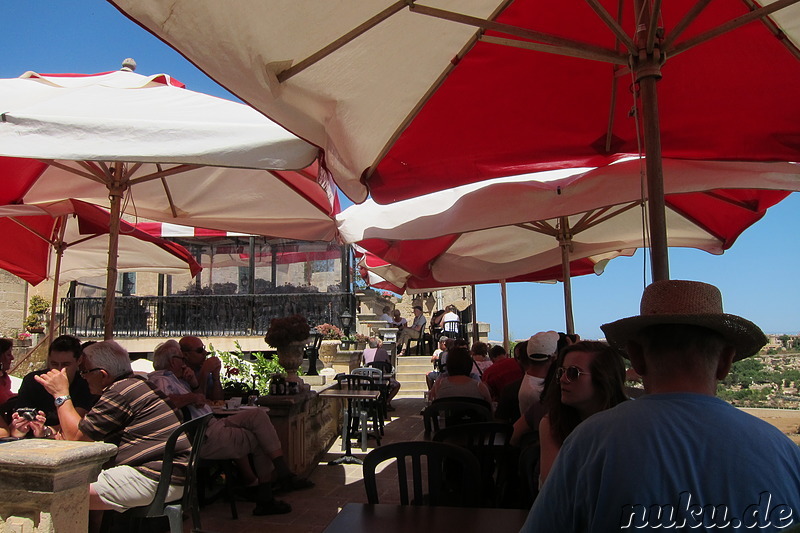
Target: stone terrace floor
<point>313,509</point>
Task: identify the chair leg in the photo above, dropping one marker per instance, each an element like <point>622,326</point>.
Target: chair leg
<point>362,416</point>
<point>345,429</point>
<point>175,515</point>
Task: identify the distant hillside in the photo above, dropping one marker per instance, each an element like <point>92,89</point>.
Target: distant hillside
<point>764,381</point>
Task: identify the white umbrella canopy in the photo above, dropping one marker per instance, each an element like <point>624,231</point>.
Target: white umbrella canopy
<point>160,151</point>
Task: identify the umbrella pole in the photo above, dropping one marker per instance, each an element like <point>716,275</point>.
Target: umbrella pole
<point>648,73</point>
<point>115,194</point>
<point>504,299</point>
<point>59,246</point>
<point>565,242</point>
<point>474,316</point>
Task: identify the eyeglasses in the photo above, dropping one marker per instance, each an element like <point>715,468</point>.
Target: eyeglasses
<point>572,373</point>
<point>201,350</point>
<point>182,358</point>
<point>84,372</point>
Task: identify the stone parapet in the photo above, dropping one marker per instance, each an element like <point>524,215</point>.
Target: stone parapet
<point>45,484</point>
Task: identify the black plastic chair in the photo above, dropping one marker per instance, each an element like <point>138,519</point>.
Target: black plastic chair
<point>490,443</point>
<point>362,410</point>
<point>195,431</point>
<point>453,473</point>
<point>455,410</point>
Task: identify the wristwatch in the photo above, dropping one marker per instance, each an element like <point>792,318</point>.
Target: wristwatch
<point>61,399</point>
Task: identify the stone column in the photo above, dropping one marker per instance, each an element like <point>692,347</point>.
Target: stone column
<point>45,484</point>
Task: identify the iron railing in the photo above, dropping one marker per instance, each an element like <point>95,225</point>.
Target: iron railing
<point>206,315</point>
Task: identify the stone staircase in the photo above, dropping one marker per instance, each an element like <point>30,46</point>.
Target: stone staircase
<point>410,372</point>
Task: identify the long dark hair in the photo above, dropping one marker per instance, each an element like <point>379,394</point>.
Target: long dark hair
<point>5,345</point>
<point>608,378</point>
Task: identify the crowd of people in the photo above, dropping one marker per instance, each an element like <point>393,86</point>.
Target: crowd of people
<point>591,456</point>
<point>89,392</point>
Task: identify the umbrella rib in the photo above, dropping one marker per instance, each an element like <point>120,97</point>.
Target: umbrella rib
<point>559,45</point>
<point>539,226</point>
<point>90,174</point>
<point>730,201</point>
<point>167,192</point>
<point>555,50</point>
<point>612,24</point>
<point>341,41</point>
<point>684,23</point>
<point>598,216</point>
<point>776,31</point>
<point>652,28</point>
<point>38,234</point>
<point>731,25</point>
<point>163,173</point>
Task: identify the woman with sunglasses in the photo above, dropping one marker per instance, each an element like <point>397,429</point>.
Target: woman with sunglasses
<point>589,378</point>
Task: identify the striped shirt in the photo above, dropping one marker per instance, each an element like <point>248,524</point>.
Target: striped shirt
<point>136,417</point>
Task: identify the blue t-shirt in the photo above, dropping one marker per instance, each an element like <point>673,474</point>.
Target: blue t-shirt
<point>675,462</point>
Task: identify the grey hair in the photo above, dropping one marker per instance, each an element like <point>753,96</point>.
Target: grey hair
<point>109,356</point>
<point>164,352</point>
<point>373,342</point>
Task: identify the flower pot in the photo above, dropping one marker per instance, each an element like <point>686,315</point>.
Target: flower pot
<point>290,356</point>
<point>35,329</point>
<point>327,351</point>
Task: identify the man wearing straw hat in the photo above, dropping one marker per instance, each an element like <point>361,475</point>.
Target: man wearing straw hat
<point>678,457</point>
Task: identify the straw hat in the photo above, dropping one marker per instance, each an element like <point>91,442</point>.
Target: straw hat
<point>687,302</point>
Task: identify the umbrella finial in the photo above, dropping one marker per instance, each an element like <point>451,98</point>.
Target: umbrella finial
<point>128,64</point>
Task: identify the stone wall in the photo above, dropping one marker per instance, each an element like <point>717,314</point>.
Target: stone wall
<point>12,303</point>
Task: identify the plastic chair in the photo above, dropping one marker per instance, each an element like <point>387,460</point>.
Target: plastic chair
<point>195,431</point>
<point>455,410</point>
<point>419,344</point>
<point>453,473</point>
<point>489,442</point>
<point>362,410</point>
<point>451,329</point>
<point>377,375</point>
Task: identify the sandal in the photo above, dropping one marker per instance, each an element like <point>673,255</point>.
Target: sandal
<point>291,483</point>
<point>272,507</point>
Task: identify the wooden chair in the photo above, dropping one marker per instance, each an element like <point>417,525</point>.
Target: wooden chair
<point>455,410</point>
<point>490,443</point>
<point>453,473</point>
<point>195,431</point>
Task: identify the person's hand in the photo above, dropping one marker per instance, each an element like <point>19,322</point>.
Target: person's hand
<point>37,425</point>
<point>212,365</point>
<point>55,382</point>
<point>200,399</point>
<point>188,375</point>
<point>20,426</point>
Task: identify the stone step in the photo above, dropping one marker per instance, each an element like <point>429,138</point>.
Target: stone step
<point>411,371</point>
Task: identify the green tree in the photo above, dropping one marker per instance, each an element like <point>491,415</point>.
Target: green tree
<point>785,340</point>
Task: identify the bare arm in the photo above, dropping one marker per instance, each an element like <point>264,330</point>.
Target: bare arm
<point>211,367</point>
<point>548,449</point>
<point>57,384</point>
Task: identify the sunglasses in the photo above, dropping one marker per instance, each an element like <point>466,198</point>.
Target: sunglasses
<point>572,373</point>
<point>84,372</point>
<point>201,350</point>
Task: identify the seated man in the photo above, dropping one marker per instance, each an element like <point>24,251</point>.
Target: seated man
<point>677,457</point>
<point>206,368</point>
<point>232,437</point>
<point>63,353</point>
<point>451,321</point>
<point>386,317</point>
<point>376,354</point>
<point>414,331</point>
<point>129,413</point>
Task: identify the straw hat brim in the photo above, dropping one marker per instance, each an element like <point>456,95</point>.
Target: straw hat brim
<point>745,336</point>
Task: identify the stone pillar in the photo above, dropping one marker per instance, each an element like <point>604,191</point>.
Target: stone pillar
<point>45,484</point>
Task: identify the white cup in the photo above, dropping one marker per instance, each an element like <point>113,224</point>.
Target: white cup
<point>233,403</point>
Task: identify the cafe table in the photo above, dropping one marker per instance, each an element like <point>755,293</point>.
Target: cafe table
<point>351,395</point>
<point>390,518</point>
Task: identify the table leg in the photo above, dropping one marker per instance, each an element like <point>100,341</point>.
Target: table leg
<point>348,458</point>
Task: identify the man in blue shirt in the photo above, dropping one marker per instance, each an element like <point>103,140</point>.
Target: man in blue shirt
<point>678,458</point>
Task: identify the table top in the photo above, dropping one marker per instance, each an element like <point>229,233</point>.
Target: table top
<point>388,518</point>
<point>222,411</point>
<point>357,394</point>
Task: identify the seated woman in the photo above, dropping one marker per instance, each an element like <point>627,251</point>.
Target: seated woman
<point>6,358</point>
<point>480,356</point>
<point>590,377</point>
<point>457,382</point>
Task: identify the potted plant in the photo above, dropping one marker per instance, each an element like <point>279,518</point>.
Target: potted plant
<point>288,336</point>
<point>37,317</point>
<point>331,337</point>
<point>361,341</point>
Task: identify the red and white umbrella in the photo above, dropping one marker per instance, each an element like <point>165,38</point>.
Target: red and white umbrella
<point>159,151</point>
<point>68,240</point>
<point>408,98</point>
<point>461,236</point>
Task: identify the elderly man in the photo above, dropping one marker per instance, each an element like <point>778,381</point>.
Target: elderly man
<point>376,354</point>
<point>678,457</point>
<point>234,437</point>
<point>206,368</point>
<point>131,414</point>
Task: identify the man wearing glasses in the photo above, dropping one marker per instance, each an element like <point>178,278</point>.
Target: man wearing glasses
<point>131,414</point>
<point>206,368</point>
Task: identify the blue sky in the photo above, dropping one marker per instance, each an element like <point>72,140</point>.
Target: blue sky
<point>757,276</point>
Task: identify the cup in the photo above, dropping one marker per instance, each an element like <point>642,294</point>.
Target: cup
<point>251,400</point>
<point>233,403</point>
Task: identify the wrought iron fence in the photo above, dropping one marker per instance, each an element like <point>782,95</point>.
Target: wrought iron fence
<point>207,315</point>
